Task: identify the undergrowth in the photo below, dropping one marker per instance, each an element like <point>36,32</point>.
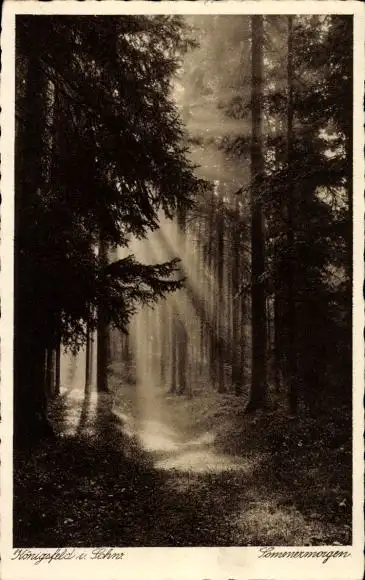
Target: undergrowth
<point>104,489</point>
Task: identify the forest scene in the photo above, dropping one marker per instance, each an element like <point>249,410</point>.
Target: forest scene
<point>183,281</point>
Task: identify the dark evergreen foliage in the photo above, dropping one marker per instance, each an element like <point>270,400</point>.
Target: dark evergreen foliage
<point>317,182</point>
<point>306,195</point>
<point>101,150</point>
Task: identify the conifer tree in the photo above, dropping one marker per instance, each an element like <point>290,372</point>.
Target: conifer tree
<point>258,377</point>
<point>100,86</point>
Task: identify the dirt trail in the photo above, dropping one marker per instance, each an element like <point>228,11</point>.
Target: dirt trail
<point>168,471</point>
<point>189,489</point>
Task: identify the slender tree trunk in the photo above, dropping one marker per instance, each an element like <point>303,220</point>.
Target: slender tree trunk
<point>88,362</point>
<point>163,325</point>
<point>173,382</point>
<point>182,356</point>
<point>208,268</point>
<point>228,275</point>
<point>126,355</point>
<point>212,292</point>
<point>278,337</point>
<point>220,355</point>
<point>203,270</point>
<point>236,363</point>
<point>102,331</point>
<point>50,373</point>
<point>181,323</point>
<point>268,330</point>
<point>258,380</point>
<point>58,368</point>
<point>292,379</point>
<point>242,338</point>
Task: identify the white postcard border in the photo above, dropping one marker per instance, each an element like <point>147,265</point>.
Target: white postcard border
<point>178,563</point>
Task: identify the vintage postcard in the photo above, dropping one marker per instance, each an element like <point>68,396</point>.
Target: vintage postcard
<point>182,230</point>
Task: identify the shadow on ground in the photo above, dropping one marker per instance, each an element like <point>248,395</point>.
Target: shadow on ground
<point>103,490</point>
<point>97,486</point>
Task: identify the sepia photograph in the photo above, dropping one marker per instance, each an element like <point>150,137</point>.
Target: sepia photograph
<point>183,281</point>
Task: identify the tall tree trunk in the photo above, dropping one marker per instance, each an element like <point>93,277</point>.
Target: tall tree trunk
<point>212,292</point>
<point>207,287</point>
<point>125,344</point>
<point>203,271</point>
<point>181,332</point>
<point>173,379</point>
<point>258,379</point>
<point>58,368</point>
<point>88,361</point>
<point>291,347</point>
<point>30,402</point>
<point>278,332</point>
<point>236,334</point>
<point>181,356</point>
<point>102,331</point>
<point>242,337</point>
<point>163,329</point>
<point>220,355</point>
<point>50,373</point>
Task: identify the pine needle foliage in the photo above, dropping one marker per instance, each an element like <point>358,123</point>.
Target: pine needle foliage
<point>102,151</point>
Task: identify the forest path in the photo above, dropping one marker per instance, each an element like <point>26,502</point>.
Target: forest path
<point>178,476</point>
<point>171,482</point>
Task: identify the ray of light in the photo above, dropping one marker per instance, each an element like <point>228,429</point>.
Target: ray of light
<point>80,407</point>
<point>200,284</point>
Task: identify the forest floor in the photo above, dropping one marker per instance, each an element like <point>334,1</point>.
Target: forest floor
<point>196,472</point>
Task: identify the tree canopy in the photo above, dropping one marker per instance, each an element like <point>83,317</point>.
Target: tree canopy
<point>105,154</point>
<point>306,186</point>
